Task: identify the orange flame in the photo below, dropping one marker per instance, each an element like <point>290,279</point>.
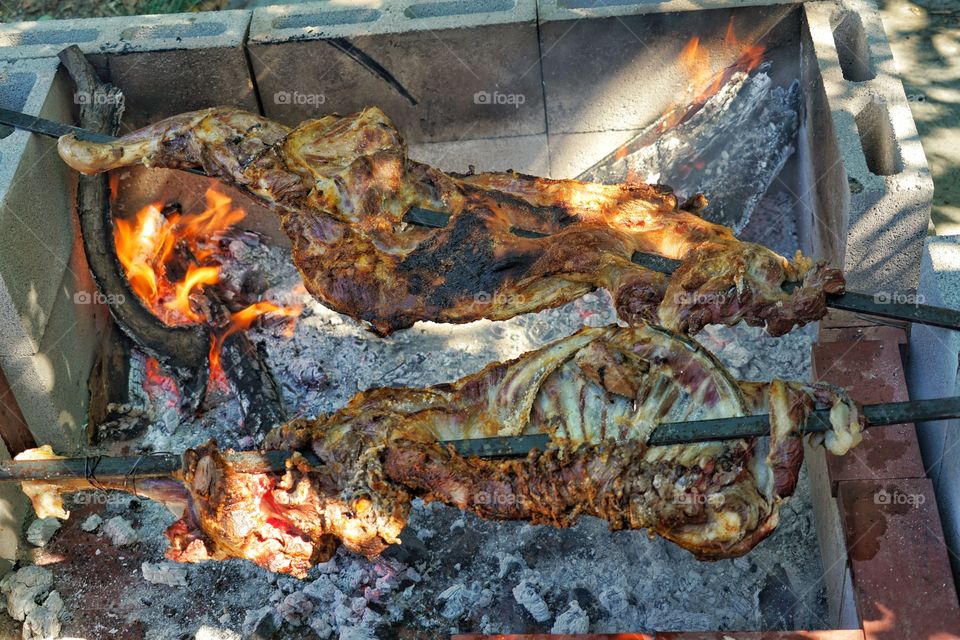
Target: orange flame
<point>694,59</point>
<point>145,246</point>
<point>243,320</point>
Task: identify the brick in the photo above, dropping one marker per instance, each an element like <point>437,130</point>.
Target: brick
<point>14,507</point>
<point>450,56</point>
<point>902,579</point>
<point>872,373</point>
<point>35,208</point>
<point>851,634</point>
<point>866,332</point>
<point>554,636</point>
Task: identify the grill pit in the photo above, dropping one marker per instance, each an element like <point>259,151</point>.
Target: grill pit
<point>552,98</point>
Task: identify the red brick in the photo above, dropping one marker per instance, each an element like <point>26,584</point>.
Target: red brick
<point>836,318</point>
<point>872,372</point>
<point>835,634</point>
<point>554,636</point>
<point>855,334</point>
<point>901,572</point>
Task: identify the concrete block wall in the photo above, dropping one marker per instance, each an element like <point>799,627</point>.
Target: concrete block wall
<point>164,64</point>
<point>933,373</point>
<point>877,225</point>
<point>473,68</point>
<point>48,338</point>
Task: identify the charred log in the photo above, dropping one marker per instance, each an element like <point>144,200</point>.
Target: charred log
<point>182,349</point>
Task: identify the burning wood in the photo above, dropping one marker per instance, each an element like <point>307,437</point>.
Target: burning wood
<point>597,394</point>
<point>731,140</point>
<point>342,186</point>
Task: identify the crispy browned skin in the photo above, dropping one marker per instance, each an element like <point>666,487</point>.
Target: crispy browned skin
<point>342,185</point>
<point>598,394</point>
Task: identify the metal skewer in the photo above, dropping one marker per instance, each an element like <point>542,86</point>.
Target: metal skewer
<point>850,301</point>
<point>105,468</point>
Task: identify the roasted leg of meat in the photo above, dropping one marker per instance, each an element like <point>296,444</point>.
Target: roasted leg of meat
<point>342,185</point>
<point>598,394</point>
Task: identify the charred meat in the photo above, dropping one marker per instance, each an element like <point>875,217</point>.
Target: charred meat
<point>598,394</point>
<point>342,186</point>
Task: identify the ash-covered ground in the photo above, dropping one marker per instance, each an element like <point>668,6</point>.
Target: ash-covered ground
<point>454,572</point>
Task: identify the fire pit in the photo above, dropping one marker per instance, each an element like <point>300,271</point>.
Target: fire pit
<point>553,89</point>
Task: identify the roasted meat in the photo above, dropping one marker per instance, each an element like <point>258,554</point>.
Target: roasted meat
<point>342,186</point>
<point>598,394</point>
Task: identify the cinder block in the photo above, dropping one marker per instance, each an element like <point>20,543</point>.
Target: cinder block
<point>35,209</point>
<point>472,67</point>
<point>550,10</point>
<point>526,154</point>
<point>50,386</point>
<point>573,153</point>
<point>125,34</point>
<point>830,536</point>
<point>165,64</point>
<point>883,217</point>
<point>932,373</point>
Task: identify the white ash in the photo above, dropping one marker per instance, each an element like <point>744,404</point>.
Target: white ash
<point>24,589</point>
<point>41,531</point>
<point>171,574</point>
<point>620,581</point>
<point>120,532</point>
<point>206,632</point>
<point>43,622</point>
<point>573,620</point>
<point>527,596</point>
<point>92,523</point>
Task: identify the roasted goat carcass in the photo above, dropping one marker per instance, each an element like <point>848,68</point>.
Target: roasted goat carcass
<point>342,186</point>
<point>598,394</point>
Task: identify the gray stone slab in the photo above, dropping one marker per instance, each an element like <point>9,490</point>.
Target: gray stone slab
<point>573,153</point>
<point>476,82</point>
